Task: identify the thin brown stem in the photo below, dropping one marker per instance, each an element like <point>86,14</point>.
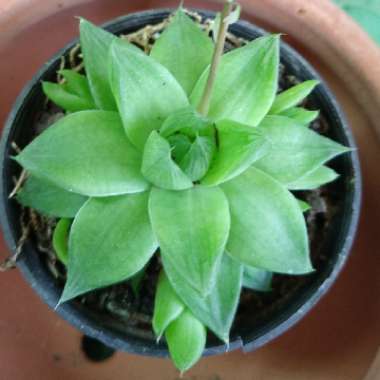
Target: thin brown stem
<point>204,105</point>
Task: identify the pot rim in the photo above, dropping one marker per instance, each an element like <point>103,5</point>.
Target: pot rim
<point>130,344</point>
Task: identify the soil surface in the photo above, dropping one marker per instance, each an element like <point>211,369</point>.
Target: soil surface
<point>129,308</point>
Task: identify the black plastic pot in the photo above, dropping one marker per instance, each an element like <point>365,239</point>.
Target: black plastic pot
<point>336,244</point>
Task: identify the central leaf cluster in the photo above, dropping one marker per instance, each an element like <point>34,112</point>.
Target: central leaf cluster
<point>180,153</point>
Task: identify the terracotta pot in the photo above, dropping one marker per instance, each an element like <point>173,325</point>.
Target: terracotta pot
<point>350,313</point>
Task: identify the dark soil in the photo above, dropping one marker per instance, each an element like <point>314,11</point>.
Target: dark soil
<point>129,311</point>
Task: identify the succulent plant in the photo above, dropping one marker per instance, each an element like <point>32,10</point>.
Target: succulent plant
<point>186,153</point>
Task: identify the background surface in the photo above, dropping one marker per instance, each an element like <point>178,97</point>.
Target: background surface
<point>366,13</point>
<point>338,340</point>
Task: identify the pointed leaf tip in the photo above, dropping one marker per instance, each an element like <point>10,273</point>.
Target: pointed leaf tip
<point>95,44</point>
<point>314,179</point>
<point>292,96</point>
<point>217,310</point>
<point>167,306</point>
<point>295,151</point>
<point>194,249</point>
<point>186,338</point>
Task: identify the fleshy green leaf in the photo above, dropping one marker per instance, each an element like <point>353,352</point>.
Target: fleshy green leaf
<point>239,146</point>
<point>300,115</point>
<point>187,121</point>
<point>136,281</point>
<point>217,310</point>
<point>95,44</point>
<point>246,82</point>
<point>285,122</point>
<point>159,168</point>
<point>49,199</point>
<point>60,239</point>
<point>145,91</point>
<point>291,97</point>
<point>303,205</point>
<point>192,229</point>
<point>110,241</point>
<point>268,229</point>
<point>186,338</point>
<point>77,84</point>
<point>184,49</point>
<point>197,159</point>
<point>167,306</point>
<point>315,179</point>
<point>180,145</point>
<point>73,95</point>
<point>69,101</point>
<point>257,279</point>
<point>87,153</point>
<point>295,151</point>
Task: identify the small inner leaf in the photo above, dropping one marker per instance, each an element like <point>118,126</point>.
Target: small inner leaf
<point>239,147</point>
<point>49,199</point>
<point>192,228</point>
<point>180,145</point>
<point>167,306</point>
<point>315,179</point>
<point>65,99</point>
<point>187,121</point>
<point>257,279</point>
<point>291,97</point>
<point>300,115</point>
<point>60,239</point>
<point>136,281</point>
<point>158,166</point>
<point>186,338</point>
<point>77,84</point>
<point>197,159</point>
<point>303,205</point>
